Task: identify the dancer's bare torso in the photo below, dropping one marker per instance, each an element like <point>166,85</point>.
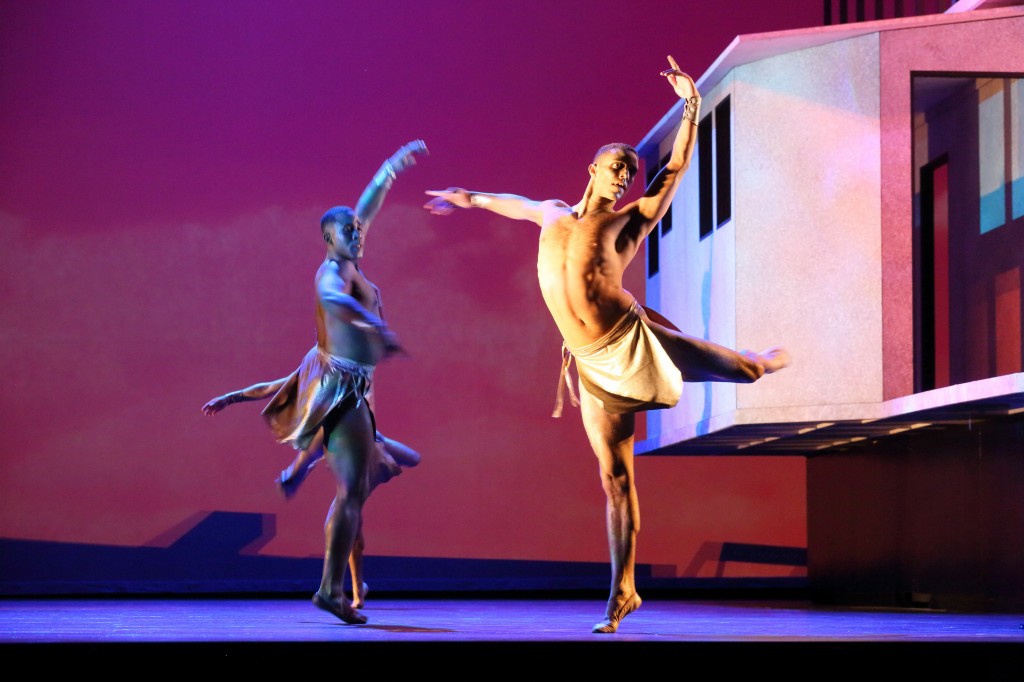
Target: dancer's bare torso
<point>580,268</point>
<point>337,333</point>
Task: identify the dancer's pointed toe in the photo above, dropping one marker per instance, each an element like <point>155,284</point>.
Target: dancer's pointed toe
<point>610,624</point>
<point>289,479</point>
<point>360,598</point>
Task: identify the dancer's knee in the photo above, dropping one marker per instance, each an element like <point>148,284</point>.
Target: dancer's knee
<point>616,484</point>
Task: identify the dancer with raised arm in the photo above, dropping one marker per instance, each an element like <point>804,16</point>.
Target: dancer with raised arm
<point>324,405</point>
<point>628,357</point>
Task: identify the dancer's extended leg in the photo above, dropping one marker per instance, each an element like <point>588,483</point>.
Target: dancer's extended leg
<point>295,473</point>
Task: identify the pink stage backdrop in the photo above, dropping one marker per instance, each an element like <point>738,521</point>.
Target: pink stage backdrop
<point>164,166</point>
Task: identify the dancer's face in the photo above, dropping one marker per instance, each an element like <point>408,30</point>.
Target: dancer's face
<point>346,238</point>
<point>614,173</point>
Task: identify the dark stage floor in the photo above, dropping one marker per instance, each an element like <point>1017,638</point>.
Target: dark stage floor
<point>497,636</point>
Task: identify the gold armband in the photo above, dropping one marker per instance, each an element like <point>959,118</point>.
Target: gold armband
<point>691,110</point>
<point>479,201</point>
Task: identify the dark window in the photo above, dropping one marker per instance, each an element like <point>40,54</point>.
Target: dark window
<point>706,218</point>
<point>723,166</point>
<point>653,248</point>
<point>666,222</point>
<point>652,238</point>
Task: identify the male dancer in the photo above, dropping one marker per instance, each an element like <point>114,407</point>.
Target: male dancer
<point>628,357</point>
<point>327,396</point>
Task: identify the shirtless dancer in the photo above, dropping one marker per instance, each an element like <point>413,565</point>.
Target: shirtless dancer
<point>628,358</point>
<point>327,396</point>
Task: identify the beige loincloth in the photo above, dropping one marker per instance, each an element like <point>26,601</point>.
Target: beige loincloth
<point>626,370</point>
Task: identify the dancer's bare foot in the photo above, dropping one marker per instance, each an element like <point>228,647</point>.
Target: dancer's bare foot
<point>290,478</point>
<point>340,608</point>
<point>618,608</point>
<point>359,600</point>
<point>773,359</point>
